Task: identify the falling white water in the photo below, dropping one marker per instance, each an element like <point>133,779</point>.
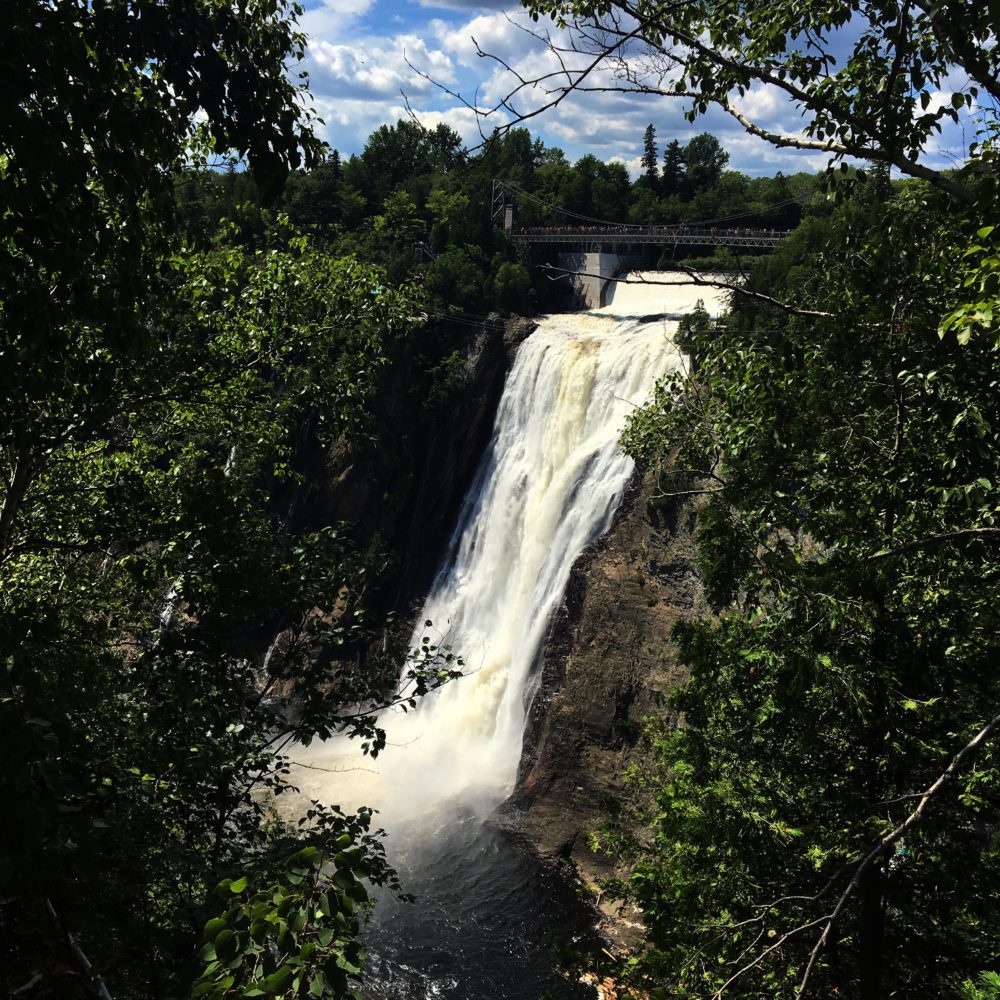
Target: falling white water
<point>549,484</point>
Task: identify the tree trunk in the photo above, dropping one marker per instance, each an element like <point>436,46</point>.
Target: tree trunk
<point>872,933</point>
<point>17,487</point>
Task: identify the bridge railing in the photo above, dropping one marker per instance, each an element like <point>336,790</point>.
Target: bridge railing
<point>703,236</point>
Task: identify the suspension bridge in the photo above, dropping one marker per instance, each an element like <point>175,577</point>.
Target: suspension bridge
<point>591,251</point>
<point>590,235</point>
<point>594,239</point>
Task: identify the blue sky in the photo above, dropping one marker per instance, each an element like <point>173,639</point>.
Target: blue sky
<point>357,61</point>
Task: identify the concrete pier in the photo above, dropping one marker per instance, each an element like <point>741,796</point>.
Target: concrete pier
<point>592,274</point>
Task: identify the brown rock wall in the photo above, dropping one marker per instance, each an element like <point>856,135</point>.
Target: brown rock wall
<point>608,663</point>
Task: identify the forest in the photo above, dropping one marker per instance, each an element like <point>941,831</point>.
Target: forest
<point>202,307</point>
<point>415,202</point>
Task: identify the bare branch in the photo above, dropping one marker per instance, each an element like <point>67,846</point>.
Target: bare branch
<point>911,167</point>
<point>767,951</point>
<point>699,279</point>
<point>609,41</point>
<point>944,779</point>
<point>94,984</point>
<point>859,868</point>
<point>695,278</point>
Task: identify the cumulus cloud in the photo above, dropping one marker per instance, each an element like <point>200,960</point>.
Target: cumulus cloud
<point>376,68</point>
<point>465,121</point>
<point>500,34</point>
<point>633,165</point>
<point>331,17</point>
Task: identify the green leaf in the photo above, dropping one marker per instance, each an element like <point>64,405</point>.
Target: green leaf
<point>226,946</point>
<point>277,981</point>
<point>213,927</point>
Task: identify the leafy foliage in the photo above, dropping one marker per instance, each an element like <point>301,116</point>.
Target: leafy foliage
<point>846,543</point>
<point>987,988</point>
<point>170,624</point>
<point>874,101</point>
<point>174,611</point>
<point>299,935</point>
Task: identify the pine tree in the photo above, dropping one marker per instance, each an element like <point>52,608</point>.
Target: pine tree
<point>673,168</point>
<point>649,154</point>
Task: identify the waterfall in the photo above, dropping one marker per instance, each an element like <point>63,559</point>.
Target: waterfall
<point>549,484</point>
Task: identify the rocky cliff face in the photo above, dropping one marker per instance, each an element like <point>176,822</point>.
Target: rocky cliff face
<point>608,662</point>
<point>403,489</point>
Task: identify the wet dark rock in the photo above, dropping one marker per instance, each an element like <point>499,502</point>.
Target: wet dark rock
<point>404,489</point>
<point>608,663</point>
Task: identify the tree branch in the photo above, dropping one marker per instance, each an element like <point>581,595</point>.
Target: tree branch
<point>860,867</point>
<point>607,38</point>
<point>940,539</point>
<point>694,278</point>
<point>94,983</point>
<point>948,775</point>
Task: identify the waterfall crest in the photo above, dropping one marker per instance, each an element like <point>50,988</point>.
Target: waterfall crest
<point>549,484</point>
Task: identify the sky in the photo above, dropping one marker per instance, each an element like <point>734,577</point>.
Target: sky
<point>370,59</point>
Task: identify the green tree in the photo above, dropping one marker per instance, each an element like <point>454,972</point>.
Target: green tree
<point>162,603</point>
<point>673,169</point>
<point>395,155</point>
<point>875,102</point>
<point>103,102</point>
<point>170,626</point>
<point>512,290</point>
<point>646,208</point>
<point>649,161</point>
<point>704,160</point>
<point>449,211</point>
<point>313,199</point>
<point>456,279</point>
<point>824,818</point>
<point>855,584</point>
<point>398,222</point>
<point>351,206</point>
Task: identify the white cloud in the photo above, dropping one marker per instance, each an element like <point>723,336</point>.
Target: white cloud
<point>464,5</point>
<point>377,68</point>
<point>498,34</point>
<point>349,122</point>
<point>358,62</point>
<point>333,16</point>
<point>633,166</point>
<point>762,101</point>
<point>463,120</point>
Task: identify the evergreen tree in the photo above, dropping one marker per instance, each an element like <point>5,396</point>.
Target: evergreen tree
<point>673,168</point>
<point>649,154</point>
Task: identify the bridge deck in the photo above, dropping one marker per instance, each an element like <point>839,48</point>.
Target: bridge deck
<point>689,235</point>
